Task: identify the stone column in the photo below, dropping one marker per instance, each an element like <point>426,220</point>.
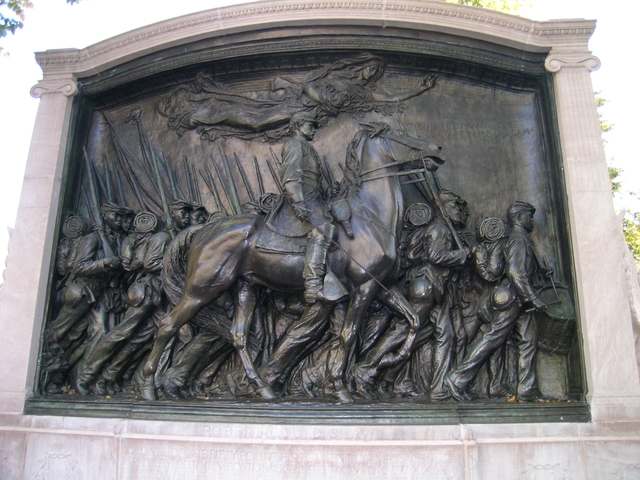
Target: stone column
<point>606,329</point>
<point>23,295</point>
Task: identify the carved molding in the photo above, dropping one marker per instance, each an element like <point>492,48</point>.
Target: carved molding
<point>68,88</point>
<point>456,59</point>
<point>556,61</point>
<point>455,19</point>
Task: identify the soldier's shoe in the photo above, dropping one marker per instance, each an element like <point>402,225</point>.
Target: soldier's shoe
<point>101,386</point>
<point>456,392</point>
<point>112,388</point>
<point>529,395</point>
<point>364,383</point>
<point>170,388</point>
<point>501,391</point>
<point>81,387</point>
<point>199,388</point>
<point>439,395</point>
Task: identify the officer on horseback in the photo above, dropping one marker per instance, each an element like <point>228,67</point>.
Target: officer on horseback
<point>301,177</point>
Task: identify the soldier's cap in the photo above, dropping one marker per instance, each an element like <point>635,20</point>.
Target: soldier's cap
<point>197,206</point>
<point>111,207</point>
<point>516,207</point>
<point>178,205</point>
<point>448,196</point>
<point>300,118</point>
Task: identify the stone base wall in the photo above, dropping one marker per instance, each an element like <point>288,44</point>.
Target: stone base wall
<point>80,448</point>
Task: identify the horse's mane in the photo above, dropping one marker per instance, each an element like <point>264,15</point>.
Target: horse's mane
<point>353,169</point>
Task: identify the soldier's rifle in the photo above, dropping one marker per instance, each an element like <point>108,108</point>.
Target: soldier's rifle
<point>212,188</point>
<point>165,204</point>
<point>274,175</point>
<point>275,157</point>
<point>94,208</point>
<point>123,152</point>
<point>326,171</point>
<point>443,213</point>
<point>258,175</point>
<point>107,177</point>
<point>119,186</point>
<point>196,185</point>
<point>245,180</point>
<point>232,185</point>
<point>234,209</point>
<point>172,179</point>
<point>187,175</point>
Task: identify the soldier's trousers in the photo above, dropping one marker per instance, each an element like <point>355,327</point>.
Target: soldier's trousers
<point>302,333</point>
<point>107,346</point>
<point>503,323</point>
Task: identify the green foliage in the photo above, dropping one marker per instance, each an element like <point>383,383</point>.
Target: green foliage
<point>605,126</point>
<point>630,222</point>
<point>614,173</point>
<point>12,15</point>
<point>631,229</point>
<point>506,6</point>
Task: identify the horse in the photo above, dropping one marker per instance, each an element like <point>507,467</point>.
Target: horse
<point>222,257</point>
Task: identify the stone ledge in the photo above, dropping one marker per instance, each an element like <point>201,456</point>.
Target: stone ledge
<point>315,413</point>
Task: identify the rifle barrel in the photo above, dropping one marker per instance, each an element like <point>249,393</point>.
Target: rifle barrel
<point>223,185</point>
<point>231,183</point>
<point>444,215</point>
<point>275,177</point>
<point>165,205</point>
<point>245,180</point>
<point>258,175</point>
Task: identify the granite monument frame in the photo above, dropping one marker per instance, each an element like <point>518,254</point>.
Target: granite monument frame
<point>609,381</point>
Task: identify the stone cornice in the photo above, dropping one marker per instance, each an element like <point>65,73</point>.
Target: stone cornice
<point>422,15</point>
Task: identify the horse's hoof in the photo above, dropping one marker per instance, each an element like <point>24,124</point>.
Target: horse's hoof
<point>148,390</point>
<point>342,394</point>
<point>267,392</point>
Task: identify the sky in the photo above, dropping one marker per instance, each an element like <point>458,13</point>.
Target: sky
<point>53,24</point>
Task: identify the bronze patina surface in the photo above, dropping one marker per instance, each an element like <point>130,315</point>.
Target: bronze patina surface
<point>370,233</point>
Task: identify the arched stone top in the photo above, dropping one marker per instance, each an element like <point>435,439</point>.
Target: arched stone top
<point>474,23</point>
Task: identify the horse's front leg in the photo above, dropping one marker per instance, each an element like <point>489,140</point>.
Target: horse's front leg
<point>184,311</point>
<point>337,360</point>
<point>245,303</point>
<point>397,302</point>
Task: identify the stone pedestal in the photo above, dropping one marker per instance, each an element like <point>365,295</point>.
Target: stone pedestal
<point>33,446</point>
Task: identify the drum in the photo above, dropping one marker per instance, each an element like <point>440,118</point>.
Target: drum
<point>557,324</point>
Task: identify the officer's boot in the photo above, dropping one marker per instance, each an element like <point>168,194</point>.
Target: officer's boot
<point>315,262</point>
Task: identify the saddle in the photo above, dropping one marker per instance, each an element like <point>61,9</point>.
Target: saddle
<point>283,232</point>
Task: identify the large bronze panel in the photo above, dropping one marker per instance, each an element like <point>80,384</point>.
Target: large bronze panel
<point>420,313</point>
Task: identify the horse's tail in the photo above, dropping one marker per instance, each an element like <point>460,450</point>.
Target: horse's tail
<point>174,268</point>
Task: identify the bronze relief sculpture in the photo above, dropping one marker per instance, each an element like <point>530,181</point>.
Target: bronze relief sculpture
<point>340,269</point>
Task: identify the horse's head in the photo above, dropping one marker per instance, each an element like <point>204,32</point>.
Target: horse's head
<point>410,151</point>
